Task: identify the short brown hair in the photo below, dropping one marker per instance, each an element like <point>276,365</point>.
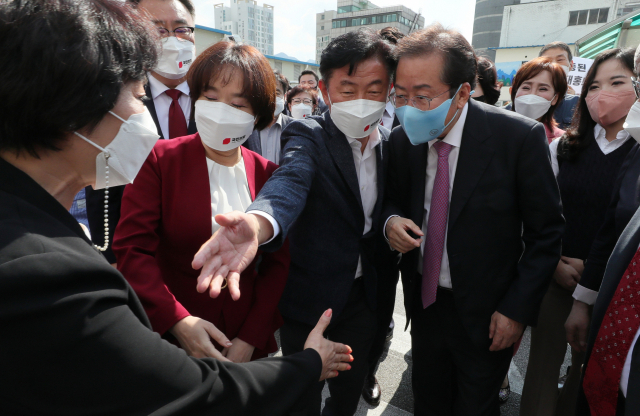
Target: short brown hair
<point>530,70</point>
<point>259,84</point>
<point>300,89</point>
<point>460,64</point>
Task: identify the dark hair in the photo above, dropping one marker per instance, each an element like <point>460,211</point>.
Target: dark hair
<point>577,137</point>
<point>298,89</point>
<point>391,34</point>
<point>488,80</point>
<point>70,59</point>
<point>460,63</point>
<point>284,82</point>
<point>530,70</point>
<point>557,45</point>
<point>186,3</point>
<point>308,72</point>
<point>354,47</point>
<point>259,84</point>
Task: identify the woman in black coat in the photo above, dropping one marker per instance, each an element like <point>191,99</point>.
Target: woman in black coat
<point>75,337</point>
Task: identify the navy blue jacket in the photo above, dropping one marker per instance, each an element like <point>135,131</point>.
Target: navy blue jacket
<point>315,198</point>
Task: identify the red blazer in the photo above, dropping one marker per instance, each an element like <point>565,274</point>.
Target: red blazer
<point>165,218</point>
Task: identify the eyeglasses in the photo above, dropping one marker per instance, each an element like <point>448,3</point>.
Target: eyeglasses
<point>636,86</point>
<point>307,101</point>
<point>181,33</point>
<point>420,102</point>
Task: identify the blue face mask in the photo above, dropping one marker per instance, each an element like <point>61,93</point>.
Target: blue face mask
<point>424,126</point>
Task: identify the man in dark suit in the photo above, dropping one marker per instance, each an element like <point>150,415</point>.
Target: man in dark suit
<point>473,204</point>
<point>267,142</point>
<point>168,102</point>
<point>326,197</point>
<point>611,373</point>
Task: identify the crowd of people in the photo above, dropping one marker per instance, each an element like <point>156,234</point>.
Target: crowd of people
<point>163,214</point>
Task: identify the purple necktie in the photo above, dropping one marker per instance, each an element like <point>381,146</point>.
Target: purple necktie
<point>436,226</point>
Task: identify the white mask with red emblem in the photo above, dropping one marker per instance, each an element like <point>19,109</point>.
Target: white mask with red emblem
<point>357,118</point>
<point>222,127</point>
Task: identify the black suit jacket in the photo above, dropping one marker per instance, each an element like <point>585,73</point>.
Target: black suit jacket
<point>505,218</point>
<point>75,332</point>
<point>624,203</point>
<point>621,256</point>
<point>315,198</point>
<point>95,198</point>
<point>253,142</point>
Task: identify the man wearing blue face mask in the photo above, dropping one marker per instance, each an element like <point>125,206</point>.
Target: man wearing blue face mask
<point>326,197</point>
<point>472,204</point>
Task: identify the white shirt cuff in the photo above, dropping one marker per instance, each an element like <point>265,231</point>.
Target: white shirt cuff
<point>585,295</point>
<point>274,224</point>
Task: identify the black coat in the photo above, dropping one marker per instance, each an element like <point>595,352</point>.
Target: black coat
<point>315,198</point>
<point>76,340</point>
<point>505,218</point>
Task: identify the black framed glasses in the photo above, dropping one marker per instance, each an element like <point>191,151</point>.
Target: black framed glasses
<point>307,101</point>
<point>421,102</point>
<point>636,87</point>
<point>181,33</point>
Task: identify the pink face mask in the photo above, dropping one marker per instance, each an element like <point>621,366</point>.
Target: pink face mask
<point>608,107</point>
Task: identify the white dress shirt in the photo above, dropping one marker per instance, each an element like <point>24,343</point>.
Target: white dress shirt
<point>453,138</point>
<point>581,293</point>
<point>366,165</point>
<point>624,380</point>
<point>162,102</point>
<point>270,141</point>
<point>388,115</point>
<point>229,189</point>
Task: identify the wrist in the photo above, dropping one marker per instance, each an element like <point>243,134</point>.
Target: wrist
<point>262,228</point>
<point>579,304</point>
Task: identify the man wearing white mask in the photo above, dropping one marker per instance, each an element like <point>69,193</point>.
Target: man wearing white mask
<point>266,142</point>
<point>170,104</point>
<point>326,198</point>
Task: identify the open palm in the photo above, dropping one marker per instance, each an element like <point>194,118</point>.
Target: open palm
<point>227,253</point>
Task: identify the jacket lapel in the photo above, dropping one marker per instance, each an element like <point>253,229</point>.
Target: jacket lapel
<point>473,159</point>
<point>152,108</point>
<point>418,163</point>
<point>342,155</point>
<point>195,189</point>
<point>382,162</point>
<point>250,169</point>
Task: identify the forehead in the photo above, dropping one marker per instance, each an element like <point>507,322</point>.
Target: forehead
<point>612,67</point>
<point>307,77</point>
<point>227,77</point>
<point>167,11</point>
<point>367,71</point>
<point>555,52</point>
<point>542,77</point>
<point>302,94</point>
<point>423,70</point>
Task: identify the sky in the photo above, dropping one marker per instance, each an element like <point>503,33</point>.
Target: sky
<point>295,20</point>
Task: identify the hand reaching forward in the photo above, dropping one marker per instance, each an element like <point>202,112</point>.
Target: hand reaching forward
<point>227,253</point>
<point>335,357</point>
<point>194,335</point>
<point>504,331</point>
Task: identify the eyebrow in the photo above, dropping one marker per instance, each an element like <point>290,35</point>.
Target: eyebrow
<point>542,83</point>
<point>416,87</point>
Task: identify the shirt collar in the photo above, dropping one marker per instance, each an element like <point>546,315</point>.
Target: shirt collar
<point>158,87</point>
<point>600,133</point>
<point>454,137</point>
<point>389,108</point>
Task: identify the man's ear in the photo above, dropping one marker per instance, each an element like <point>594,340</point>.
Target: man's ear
<point>323,89</point>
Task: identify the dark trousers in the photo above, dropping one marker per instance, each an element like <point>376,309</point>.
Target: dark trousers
<point>451,375</point>
<point>386,297</point>
<point>356,327</point>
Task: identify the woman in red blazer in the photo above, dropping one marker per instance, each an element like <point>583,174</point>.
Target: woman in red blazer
<point>167,213</point>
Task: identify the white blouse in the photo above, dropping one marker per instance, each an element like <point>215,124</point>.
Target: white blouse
<point>229,189</point>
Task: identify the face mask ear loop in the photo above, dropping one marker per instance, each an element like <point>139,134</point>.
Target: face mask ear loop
<point>106,191</point>
<point>117,116</point>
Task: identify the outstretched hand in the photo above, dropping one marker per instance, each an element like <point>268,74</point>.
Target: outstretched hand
<point>227,253</point>
<point>335,357</point>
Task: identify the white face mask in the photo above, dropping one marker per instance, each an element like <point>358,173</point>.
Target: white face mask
<point>632,123</point>
<point>566,69</point>
<point>176,58</point>
<point>532,106</point>
<point>301,110</point>
<point>127,151</point>
<point>357,118</point>
<point>221,126</point>
<point>279,106</point>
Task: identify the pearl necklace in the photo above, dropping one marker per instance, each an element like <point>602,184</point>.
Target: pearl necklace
<point>106,205</point>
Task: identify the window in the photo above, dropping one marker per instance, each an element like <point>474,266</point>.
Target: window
<point>335,24</point>
<point>355,22</point>
<point>322,18</point>
<point>343,23</point>
<point>588,17</point>
<point>321,27</point>
<point>347,9</point>
<point>296,71</point>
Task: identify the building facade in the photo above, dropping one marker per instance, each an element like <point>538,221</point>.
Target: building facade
<point>207,36</point>
<point>353,14</point>
<point>487,24</point>
<point>253,23</point>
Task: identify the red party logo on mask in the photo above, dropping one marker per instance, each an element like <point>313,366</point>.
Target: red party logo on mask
<point>367,128</point>
<point>226,141</point>
<point>180,64</point>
